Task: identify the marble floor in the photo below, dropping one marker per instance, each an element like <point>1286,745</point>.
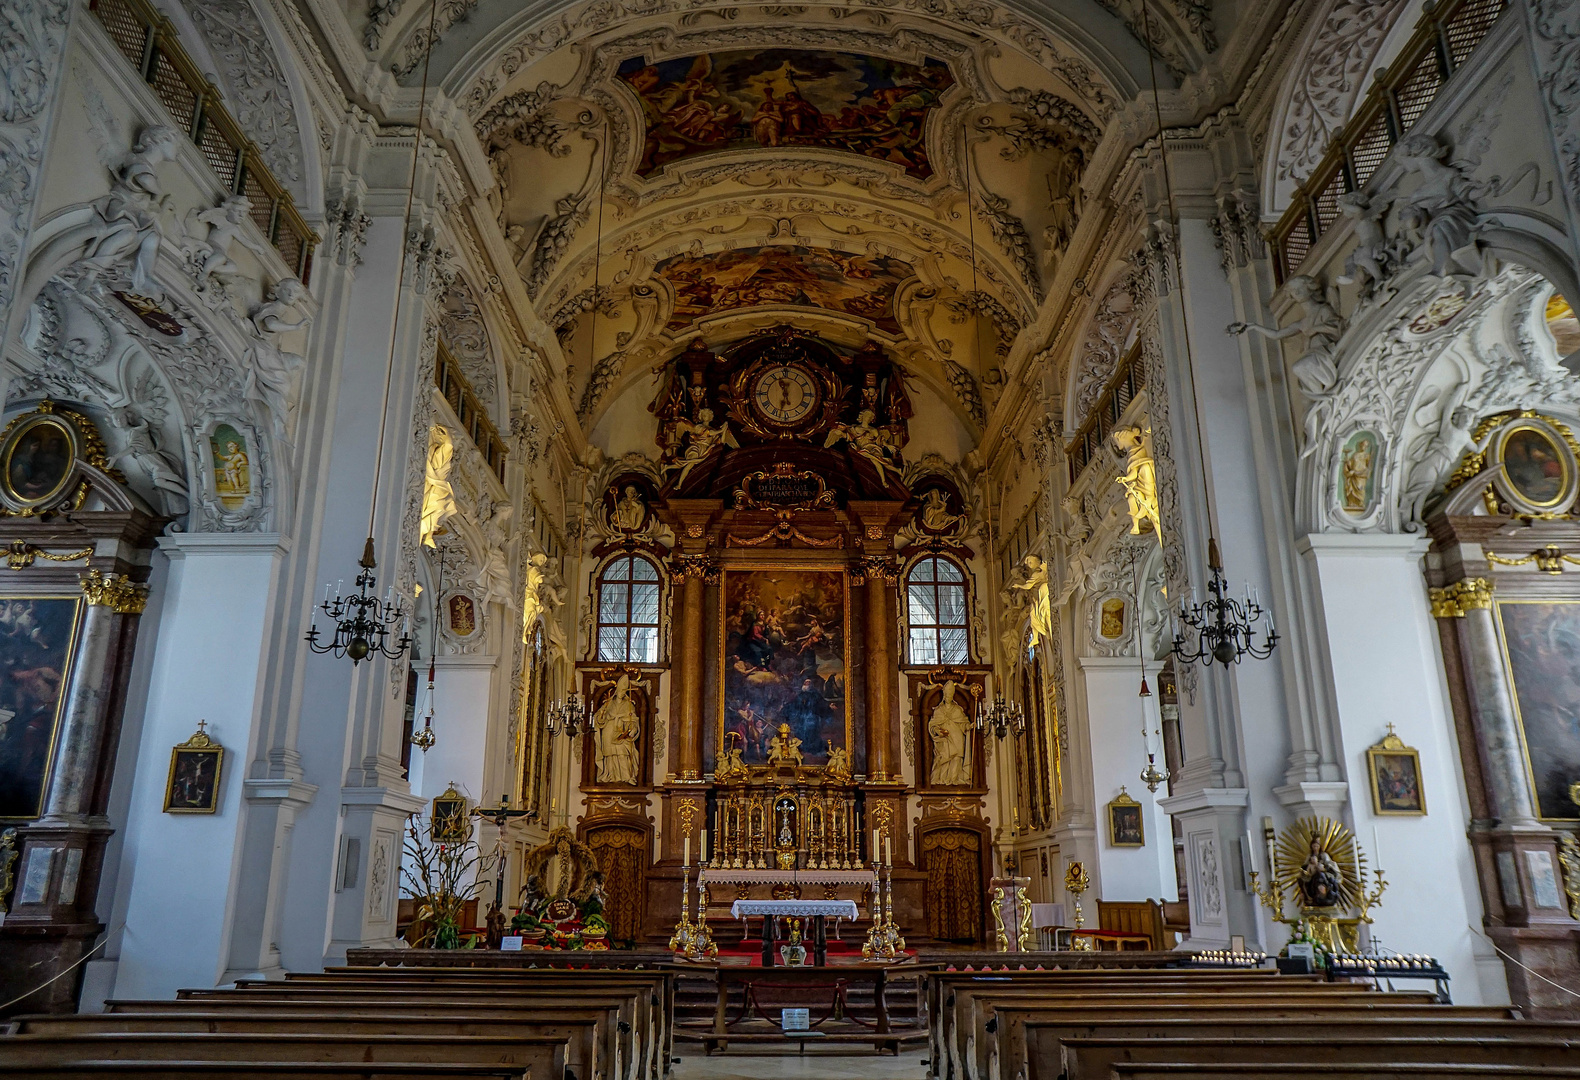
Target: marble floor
<point>848,1064</point>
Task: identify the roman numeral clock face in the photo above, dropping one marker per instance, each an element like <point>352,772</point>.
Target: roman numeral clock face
<point>785,394</point>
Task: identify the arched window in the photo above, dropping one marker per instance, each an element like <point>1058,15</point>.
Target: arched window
<point>935,597</point>
<point>628,610</point>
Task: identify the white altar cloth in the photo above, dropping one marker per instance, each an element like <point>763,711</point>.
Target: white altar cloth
<point>800,909</point>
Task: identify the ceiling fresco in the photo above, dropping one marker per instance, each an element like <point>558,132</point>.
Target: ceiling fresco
<point>749,98</point>
<point>861,285</point>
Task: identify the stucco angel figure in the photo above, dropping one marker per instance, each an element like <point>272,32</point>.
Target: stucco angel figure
<point>274,376</point>
<point>701,438</point>
<point>838,767</point>
<point>1322,327</point>
<point>784,748</point>
<point>950,730</point>
<point>224,224</point>
<point>1369,264</point>
<point>936,517</point>
<point>129,215</point>
<point>1140,482</point>
<point>617,736</point>
<point>1441,213</point>
<point>1435,453</point>
<point>493,574</point>
<point>871,442</point>
<point>438,496</point>
<point>1026,590</point>
<point>162,470</point>
<point>730,765</point>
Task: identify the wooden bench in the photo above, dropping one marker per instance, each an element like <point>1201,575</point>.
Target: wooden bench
<point>527,1057</point>
<point>1008,1053</point>
<point>1096,1058</point>
<point>1322,1071</point>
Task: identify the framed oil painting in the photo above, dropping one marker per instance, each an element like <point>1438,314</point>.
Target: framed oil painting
<point>1541,644</point>
<point>39,454</point>
<point>448,819</point>
<point>1395,771</point>
<point>1533,465</point>
<point>193,784</point>
<point>1126,827</point>
<point>38,636</point>
<point>786,650</point>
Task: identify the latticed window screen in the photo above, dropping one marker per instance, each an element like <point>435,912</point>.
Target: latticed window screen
<point>628,611</point>
<point>935,596</point>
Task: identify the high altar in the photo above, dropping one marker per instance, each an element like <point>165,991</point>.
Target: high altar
<point>783,517</point>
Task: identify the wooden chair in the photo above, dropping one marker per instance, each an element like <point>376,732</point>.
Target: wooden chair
<point>1138,917</point>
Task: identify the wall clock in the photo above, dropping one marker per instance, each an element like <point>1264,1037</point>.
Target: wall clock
<point>785,394</point>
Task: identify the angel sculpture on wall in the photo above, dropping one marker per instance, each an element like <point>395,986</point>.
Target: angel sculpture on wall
<point>1322,327</point>
<point>1435,452</point>
<point>875,444</point>
<point>1140,482</point>
<point>224,223</point>
<point>1374,257</point>
<point>129,215</point>
<point>617,734</point>
<point>701,439</point>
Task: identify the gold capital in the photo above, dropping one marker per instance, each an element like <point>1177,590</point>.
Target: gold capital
<point>1444,604</point>
<point>1473,594</point>
<point>115,591</point>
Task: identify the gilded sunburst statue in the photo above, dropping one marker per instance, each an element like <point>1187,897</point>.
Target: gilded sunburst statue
<point>1321,869</point>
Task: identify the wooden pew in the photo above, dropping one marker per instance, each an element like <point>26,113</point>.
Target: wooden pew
<point>86,1069</point>
<point>587,1057</point>
<point>1009,1051</point>
<point>941,988</point>
<point>629,1046</point>
<point>527,1056</point>
<point>1323,1071</point>
<point>1096,1058</point>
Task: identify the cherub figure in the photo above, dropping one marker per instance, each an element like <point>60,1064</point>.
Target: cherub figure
<point>270,317</point>
<point>224,228</point>
<point>784,748</point>
<point>1368,264</point>
<point>1322,326</point>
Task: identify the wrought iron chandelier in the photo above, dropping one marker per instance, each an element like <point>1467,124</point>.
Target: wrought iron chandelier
<point>569,716</point>
<point>363,622</point>
<point>1002,718</point>
<point>1224,627</point>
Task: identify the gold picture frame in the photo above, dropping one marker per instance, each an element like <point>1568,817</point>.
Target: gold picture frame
<point>1395,771</point>
<point>193,784</point>
<point>1127,825</point>
<point>449,820</point>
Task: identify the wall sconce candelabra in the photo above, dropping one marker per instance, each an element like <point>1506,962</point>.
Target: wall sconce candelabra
<point>1002,718</point>
<point>569,716</point>
<point>363,621</point>
<point>1225,627</point>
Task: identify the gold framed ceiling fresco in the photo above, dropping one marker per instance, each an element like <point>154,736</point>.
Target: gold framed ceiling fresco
<point>745,98</point>
<point>861,285</point>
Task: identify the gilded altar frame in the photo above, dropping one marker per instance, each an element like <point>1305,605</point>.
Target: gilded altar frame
<point>799,566</point>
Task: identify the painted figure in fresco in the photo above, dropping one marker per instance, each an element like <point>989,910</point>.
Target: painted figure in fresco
<point>618,732</point>
<point>1357,475</point>
<point>950,730</point>
<point>235,468</point>
<point>806,713</point>
<point>1320,877</point>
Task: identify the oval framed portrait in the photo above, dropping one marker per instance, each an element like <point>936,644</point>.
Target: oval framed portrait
<point>1535,466</point>
<point>38,461</point>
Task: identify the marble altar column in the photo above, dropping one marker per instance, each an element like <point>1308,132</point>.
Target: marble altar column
<point>880,675</point>
<point>1492,702</point>
<point>689,690</point>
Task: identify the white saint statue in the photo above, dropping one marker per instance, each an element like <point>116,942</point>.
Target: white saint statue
<point>617,732</point>
<point>950,730</point>
<point>438,497</point>
<point>629,510</point>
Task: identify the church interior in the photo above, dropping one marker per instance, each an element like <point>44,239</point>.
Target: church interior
<point>992,539</point>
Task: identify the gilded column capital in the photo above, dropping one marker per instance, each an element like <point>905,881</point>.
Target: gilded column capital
<point>115,591</point>
<point>1445,604</point>
<point>1473,594</point>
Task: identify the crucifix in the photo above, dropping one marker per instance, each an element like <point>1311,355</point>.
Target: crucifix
<point>498,816</point>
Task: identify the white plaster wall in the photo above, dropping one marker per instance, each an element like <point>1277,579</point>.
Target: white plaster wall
<point>1387,669</point>
<point>1113,714</point>
<point>178,870</point>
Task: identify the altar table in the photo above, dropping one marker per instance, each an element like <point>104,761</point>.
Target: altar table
<point>816,910</point>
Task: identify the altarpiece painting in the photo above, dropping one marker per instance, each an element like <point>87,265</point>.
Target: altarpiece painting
<point>1542,649</point>
<point>786,652</point>
<point>37,638</point>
